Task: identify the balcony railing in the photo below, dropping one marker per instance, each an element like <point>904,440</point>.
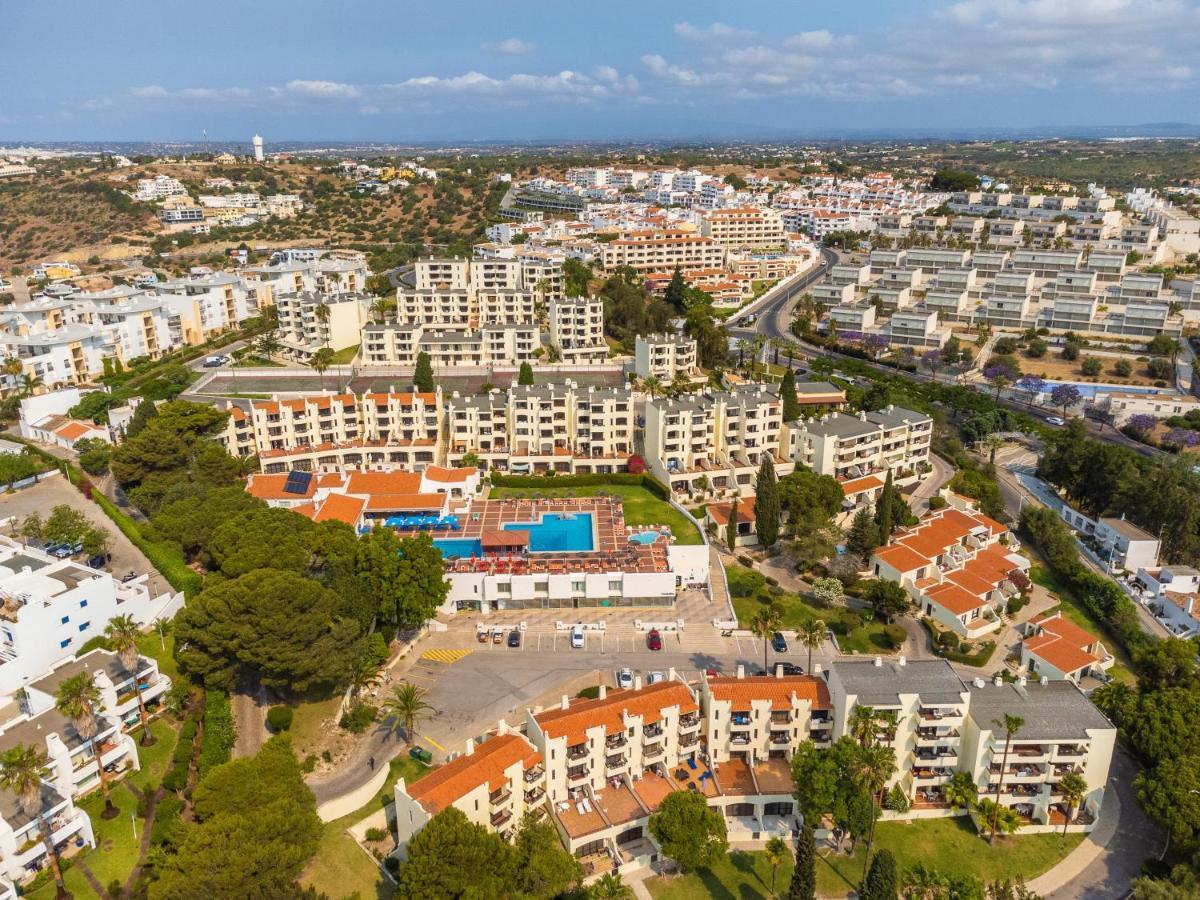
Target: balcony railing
<point>500,818</point>
<point>780,737</point>
<point>614,741</point>
<point>577,773</point>
<point>534,795</point>
<point>534,774</point>
<point>652,731</point>
<point>579,751</point>
<point>500,796</point>
<point>654,750</point>
<point>614,762</point>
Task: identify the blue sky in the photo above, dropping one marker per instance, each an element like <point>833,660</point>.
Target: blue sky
<point>466,70</point>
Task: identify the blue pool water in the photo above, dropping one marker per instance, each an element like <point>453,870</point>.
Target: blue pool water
<point>453,548</point>
<point>644,537</point>
<point>569,532</point>
<point>1088,391</point>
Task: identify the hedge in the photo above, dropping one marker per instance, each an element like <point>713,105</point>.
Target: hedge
<point>216,743</point>
<point>167,819</point>
<point>979,658</point>
<point>649,482</point>
<point>166,558</point>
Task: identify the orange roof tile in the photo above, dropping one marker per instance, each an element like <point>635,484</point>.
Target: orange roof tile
<point>720,511</point>
<point>858,485</point>
<point>270,487</point>
<point>971,582</point>
<point>742,692</point>
<point>609,713</point>
<point>902,558</point>
<point>340,508</point>
<point>402,502</point>
<point>383,483</point>
<point>953,598</point>
<point>73,431</point>
<point>1062,644</point>
<point>485,766</point>
<point>452,476</point>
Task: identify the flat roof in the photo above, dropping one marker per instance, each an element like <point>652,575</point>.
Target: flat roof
<point>881,685</point>
<point>1056,710</point>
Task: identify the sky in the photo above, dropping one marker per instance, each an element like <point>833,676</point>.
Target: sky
<point>462,70</point>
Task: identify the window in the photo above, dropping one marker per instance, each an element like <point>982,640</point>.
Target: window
<point>84,626</point>
<point>82,604</point>
<point>66,643</point>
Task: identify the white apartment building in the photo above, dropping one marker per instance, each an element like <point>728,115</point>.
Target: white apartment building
<point>310,321</point>
<point>765,717</point>
<point>201,306</point>
<point>664,356</point>
<point>1121,406</point>
<point>714,440</point>
<point>744,226</point>
<point>307,433</point>
<point>662,251</point>
<point>915,328</point>
<point>394,344</point>
<point>854,446</point>
<point>159,188</point>
<point>21,845</point>
<point>577,329</point>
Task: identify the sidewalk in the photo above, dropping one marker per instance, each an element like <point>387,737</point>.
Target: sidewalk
<point>1078,860</point>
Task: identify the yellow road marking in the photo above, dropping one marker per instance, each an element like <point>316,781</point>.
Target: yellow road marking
<point>430,740</point>
<point>447,656</point>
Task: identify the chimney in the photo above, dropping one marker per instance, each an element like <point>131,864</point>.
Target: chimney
<point>1043,680</point>
<point>603,691</point>
<point>1022,681</point>
<point>878,662</point>
<point>637,682</point>
<point>741,671</point>
<point>902,661</point>
<point>566,702</point>
<point>501,728</point>
<point>671,674</point>
<point>997,681</point>
<point>778,670</point>
<point>469,747</point>
<point>979,682</point>
<point>818,669</point>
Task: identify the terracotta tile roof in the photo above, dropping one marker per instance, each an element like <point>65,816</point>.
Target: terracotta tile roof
<point>609,713</point>
<point>1062,644</point>
<point>503,537</point>
<point>858,485</point>
<point>73,431</point>
<point>935,534</point>
<point>383,483</point>
<point>741,692</point>
<point>485,766</point>
<point>971,582</point>
<point>340,508</point>
<point>720,511</point>
<point>452,476</point>
<point>404,502</point>
<point>270,487</point>
<point>902,558</point>
<point>953,598</point>
<point>308,510</point>
<point>430,399</point>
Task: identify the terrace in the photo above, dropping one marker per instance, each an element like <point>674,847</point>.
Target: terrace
<point>693,775</point>
<point>736,778</point>
<point>620,804</point>
<point>580,817</point>
<point>774,776</point>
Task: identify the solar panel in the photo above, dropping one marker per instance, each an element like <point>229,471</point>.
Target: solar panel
<point>297,482</point>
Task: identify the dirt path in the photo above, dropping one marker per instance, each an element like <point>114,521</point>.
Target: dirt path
<point>249,703</point>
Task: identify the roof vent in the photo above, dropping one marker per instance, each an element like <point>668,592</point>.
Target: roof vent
<point>1021,681</point>
<point>979,682</point>
<point>1043,680</point>
<point>902,661</point>
<point>878,662</point>
<point>997,681</point>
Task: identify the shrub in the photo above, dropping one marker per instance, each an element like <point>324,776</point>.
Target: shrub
<point>358,717</point>
<point>376,834</point>
<point>1015,605</point>
<point>746,561</point>
<point>309,764</point>
<point>279,718</point>
<point>851,621</point>
<point>589,693</point>
<point>937,502</point>
<point>176,779</point>
<point>948,640</point>
<point>216,743</point>
<point>1090,366</point>
<point>115,887</point>
<point>327,756</point>
<point>166,820</point>
<point>895,635</point>
<point>392,864</point>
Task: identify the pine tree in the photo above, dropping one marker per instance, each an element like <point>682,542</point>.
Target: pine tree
<point>676,292</point>
<point>731,527</point>
<point>766,503</point>
<point>787,393</point>
<point>804,878</point>
<point>864,534</point>
<point>423,376</point>
<point>885,510</point>
<point>880,883</point>
<point>525,376</point>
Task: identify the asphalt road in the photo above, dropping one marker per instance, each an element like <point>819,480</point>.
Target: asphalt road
<point>774,318</point>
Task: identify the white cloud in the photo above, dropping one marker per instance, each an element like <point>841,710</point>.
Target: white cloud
<point>717,30</point>
<point>511,46</point>
<point>323,89</point>
<point>149,91</point>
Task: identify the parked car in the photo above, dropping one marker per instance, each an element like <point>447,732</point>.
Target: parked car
<point>654,640</point>
<point>577,639</point>
<point>625,678</point>
<point>779,643</point>
<point>514,638</point>
<point>53,549</point>
<point>497,635</point>
<point>790,668</point>
<point>1055,420</point>
<point>713,673</point>
<point>483,635</point>
<point>98,561</point>
<point>655,677</point>
<point>128,577</point>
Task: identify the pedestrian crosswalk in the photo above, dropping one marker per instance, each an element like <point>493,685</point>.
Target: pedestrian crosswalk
<point>449,656</point>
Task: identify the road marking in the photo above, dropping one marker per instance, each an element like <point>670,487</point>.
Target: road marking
<point>430,740</point>
<point>447,656</point>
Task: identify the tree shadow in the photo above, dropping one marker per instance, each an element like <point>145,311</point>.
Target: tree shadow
<point>744,863</point>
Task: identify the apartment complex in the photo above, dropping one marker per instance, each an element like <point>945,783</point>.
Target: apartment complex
<point>744,227</point>
<point>577,329</point>
<point>849,447</point>
<point>664,356</point>
<point>662,251</point>
<point>310,321</point>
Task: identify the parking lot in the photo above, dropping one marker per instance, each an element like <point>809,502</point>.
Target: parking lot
<point>51,492</point>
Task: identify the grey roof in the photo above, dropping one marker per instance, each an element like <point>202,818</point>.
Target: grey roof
<point>14,814</point>
<point>19,561</point>
<point>1127,529</point>
<point>95,661</point>
<point>1054,711</point>
<point>933,679</point>
<point>817,387</point>
<point>893,416</point>
<point>841,425</point>
<point>33,731</point>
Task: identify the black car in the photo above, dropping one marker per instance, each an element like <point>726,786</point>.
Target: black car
<point>514,638</point>
<point>791,668</point>
<point>779,643</point>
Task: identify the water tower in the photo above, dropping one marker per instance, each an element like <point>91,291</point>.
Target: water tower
<point>258,147</point>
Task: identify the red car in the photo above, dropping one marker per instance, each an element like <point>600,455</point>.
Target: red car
<point>654,640</point>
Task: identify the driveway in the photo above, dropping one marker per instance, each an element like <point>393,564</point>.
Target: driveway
<point>928,487</point>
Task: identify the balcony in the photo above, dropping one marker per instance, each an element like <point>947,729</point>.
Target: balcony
<point>652,731</point>
<point>534,774</point>
<point>579,773</point>
<point>929,736</point>
<point>690,720</point>
<point>740,737</point>
<point>500,818</point>
<point>614,741</point>
<point>500,796</point>
<point>780,737</point>
<point>579,751</point>
<point>689,740</point>
<point>781,718</point>
<point>615,762</point>
<point>652,752</point>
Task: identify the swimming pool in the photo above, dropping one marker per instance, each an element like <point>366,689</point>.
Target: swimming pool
<point>561,532</point>
<point>644,537</point>
<point>1087,390</point>
<point>453,548</point>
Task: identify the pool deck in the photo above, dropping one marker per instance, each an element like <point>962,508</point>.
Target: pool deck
<point>612,550</point>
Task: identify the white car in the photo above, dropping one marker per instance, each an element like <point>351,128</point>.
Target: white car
<point>655,677</point>
<point>625,678</point>
<point>1055,420</point>
<point>577,639</point>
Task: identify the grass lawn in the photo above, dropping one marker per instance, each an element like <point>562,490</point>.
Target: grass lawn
<point>156,758</point>
<point>855,633</point>
<point>641,506</point>
<point>308,724</point>
<point>254,361</point>
<point>345,356</point>
<point>947,845</point>
<point>340,867</point>
<point>1073,610</point>
<point>150,645</point>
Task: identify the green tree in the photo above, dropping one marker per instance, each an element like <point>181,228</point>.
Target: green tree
<point>961,792</point>
<point>676,292</point>
<point>885,509</point>
<point>94,455</point>
<point>452,858</point>
<point>776,852</point>
<point>688,830</point>
<point>285,626</point>
<point>766,503</point>
<point>142,414</point>
<point>881,882</point>
<point>787,394</point>
<point>812,636</point>
<point>423,375</point>
<point>765,623</point>
<point>731,527</point>
<point>122,633</point>
<point>406,707</point>
<point>809,500</point>
<point>256,828</point>
<point>1012,726</point>
<point>421,585</point>
<point>78,698</point>
<point>1073,787</point>
<point>609,887</point>
<point>874,766</point>
<point>804,876</point>
<point>525,375</point>
<point>322,359</point>
<point>544,868</point>
<point>1004,818</point>
<point>21,768</point>
<point>1170,794</point>
<point>886,599</point>
<point>864,534</point>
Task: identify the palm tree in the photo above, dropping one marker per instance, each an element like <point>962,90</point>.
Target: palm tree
<point>610,887</point>
<point>380,307</point>
<point>363,677</point>
<point>162,627</point>
<point>21,774</point>
<point>12,367</point>
<point>406,707</point>
<point>812,635</point>
<point>992,443</point>
<point>1004,818</point>
<point>651,385</point>
<point>79,700</point>
<point>122,633</point>
<point>30,383</point>
<point>875,766</point>
<point>321,362</point>
<point>1073,787</point>
<point>864,725</point>
<point>765,623</point>
<point>1012,726</point>
<point>776,852</point>
<point>961,792</point>
<point>322,314</point>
